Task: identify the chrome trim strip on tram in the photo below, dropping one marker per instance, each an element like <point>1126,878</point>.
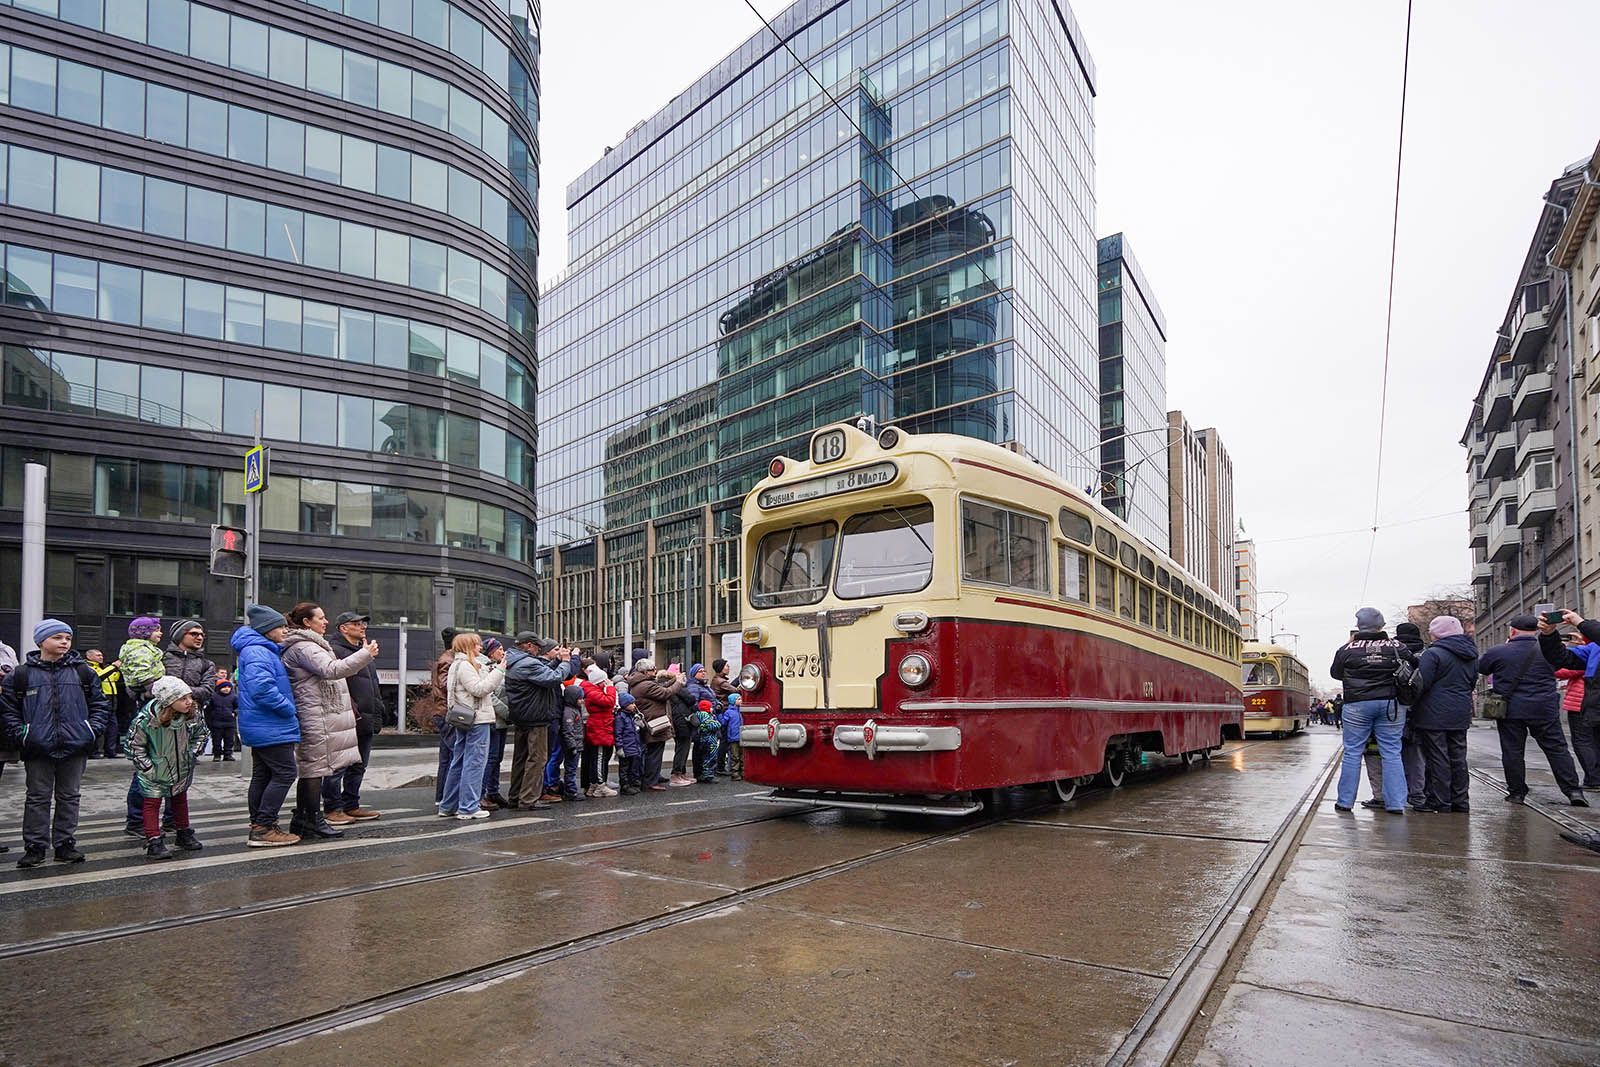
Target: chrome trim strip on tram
<point>1062,705</point>
<point>871,738</point>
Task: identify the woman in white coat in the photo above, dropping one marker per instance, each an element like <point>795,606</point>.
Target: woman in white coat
<point>470,684</point>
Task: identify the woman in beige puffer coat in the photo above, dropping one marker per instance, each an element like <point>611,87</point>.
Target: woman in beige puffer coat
<point>327,715</point>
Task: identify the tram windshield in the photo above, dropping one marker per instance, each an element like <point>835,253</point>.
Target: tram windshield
<point>791,566</point>
<point>883,552</point>
<point>1261,672</point>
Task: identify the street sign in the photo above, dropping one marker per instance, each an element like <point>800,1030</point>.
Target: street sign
<point>230,557</point>
<point>255,469</point>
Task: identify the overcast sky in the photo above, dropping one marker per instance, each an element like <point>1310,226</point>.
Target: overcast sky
<point>1247,148</point>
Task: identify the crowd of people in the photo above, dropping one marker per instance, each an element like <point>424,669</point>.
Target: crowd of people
<point>305,698</point>
<point>1412,700</point>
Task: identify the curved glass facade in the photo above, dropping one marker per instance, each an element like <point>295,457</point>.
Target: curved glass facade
<point>762,257</point>
<point>185,252</point>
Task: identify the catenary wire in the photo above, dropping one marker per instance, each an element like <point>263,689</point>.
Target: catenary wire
<point>1388,322</point>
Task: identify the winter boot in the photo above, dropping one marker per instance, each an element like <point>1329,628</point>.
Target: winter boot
<point>68,853</point>
<point>156,849</point>
<point>187,841</point>
<point>31,857</point>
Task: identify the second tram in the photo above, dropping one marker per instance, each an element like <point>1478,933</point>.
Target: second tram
<point>929,616</point>
<point>1277,690</point>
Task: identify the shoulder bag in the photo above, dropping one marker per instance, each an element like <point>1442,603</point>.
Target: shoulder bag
<point>1497,702</point>
<point>459,716</point>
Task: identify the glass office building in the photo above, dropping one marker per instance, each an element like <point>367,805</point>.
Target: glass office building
<point>902,226</point>
<point>1133,395</point>
<point>322,212</point>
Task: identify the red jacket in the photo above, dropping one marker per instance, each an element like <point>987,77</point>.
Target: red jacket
<point>602,701</point>
<point>1573,700</point>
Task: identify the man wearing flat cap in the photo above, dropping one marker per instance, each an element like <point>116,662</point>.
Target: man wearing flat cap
<point>535,671</point>
<point>1518,671</point>
<point>341,791</point>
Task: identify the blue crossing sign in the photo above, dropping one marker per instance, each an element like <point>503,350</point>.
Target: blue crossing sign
<point>255,469</point>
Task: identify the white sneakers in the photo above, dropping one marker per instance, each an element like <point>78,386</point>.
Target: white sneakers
<point>599,790</point>
<point>479,814</point>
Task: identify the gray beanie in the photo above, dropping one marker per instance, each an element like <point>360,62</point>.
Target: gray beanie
<point>263,619</point>
<point>1369,620</point>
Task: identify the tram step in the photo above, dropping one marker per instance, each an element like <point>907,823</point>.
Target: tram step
<point>952,805</point>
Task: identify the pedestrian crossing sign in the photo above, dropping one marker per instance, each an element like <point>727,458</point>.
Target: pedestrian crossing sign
<point>255,469</point>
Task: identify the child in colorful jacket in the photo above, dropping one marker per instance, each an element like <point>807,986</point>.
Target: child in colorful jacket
<point>164,742</point>
<point>731,754</point>
<point>141,658</point>
<point>706,729</point>
<point>630,749</point>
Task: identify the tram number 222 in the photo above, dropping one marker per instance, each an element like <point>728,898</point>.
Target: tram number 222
<point>799,666</point>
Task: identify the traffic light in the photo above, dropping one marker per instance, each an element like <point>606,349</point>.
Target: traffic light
<point>230,552</point>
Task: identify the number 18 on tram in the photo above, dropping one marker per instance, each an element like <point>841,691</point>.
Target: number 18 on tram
<point>929,616</point>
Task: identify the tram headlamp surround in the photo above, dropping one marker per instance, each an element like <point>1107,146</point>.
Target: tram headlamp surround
<point>754,634</point>
<point>750,677</point>
<point>916,670</point>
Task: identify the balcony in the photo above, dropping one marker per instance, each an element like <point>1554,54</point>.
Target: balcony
<point>1529,334</point>
<point>1537,441</point>
<point>1533,393</point>
<point>1480,535</point>
<point>1478,493</point>
<point>1536,508</point>
<point>1500,454</point>
<point>1505,536</point>
<point>1496,400</point>
<point>1536,489</point>
<point>1482,573</point>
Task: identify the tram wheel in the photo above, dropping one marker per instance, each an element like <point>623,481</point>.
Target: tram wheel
<point>1187,758</point>
<point>1066,788</point>
<point>1115,770</point>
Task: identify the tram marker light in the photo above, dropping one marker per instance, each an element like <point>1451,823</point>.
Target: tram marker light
<point>775,469</point>
<point>911,622</point>
<point>916,670</point>
<point>889,438</point>
<point>754,634</point>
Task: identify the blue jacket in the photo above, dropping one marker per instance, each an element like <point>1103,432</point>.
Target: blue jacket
<point>54,710</point>
<point>1449,669</point>
<point>627,732</point>
<point>696,690</point>
<point>1524,678</point>
<point>732,722</point>
<point>1585,658</point>
<point>266,703</point>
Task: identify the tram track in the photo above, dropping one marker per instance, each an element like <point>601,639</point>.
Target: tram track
<point>16,949</point>
<point>510,966</point>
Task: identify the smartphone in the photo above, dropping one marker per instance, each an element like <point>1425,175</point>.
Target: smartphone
<point>1554,618</point>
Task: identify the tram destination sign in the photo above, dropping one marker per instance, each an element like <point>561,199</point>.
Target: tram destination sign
<point>846,481</point>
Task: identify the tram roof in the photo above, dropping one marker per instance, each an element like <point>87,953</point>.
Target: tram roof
<point>947,446</point>
<point>1261,648</point>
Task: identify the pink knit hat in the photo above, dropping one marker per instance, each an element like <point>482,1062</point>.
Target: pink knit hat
<point>1444,626</point>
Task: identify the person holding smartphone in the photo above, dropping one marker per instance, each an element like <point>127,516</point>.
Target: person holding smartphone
<point>1520,673</point>
<point>1584,658</point>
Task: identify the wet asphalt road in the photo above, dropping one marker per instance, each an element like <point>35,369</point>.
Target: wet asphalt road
<point>703,925</point>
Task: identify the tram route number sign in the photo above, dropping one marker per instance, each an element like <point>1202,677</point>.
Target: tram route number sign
<point>845,481</point>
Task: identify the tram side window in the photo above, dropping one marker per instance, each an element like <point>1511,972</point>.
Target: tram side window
<point>889,551</point>
<point>1146,594</point>
<point>1003,547</point>
<point>791,566</point>
<point>1161,612</point>
<point>1106,542</point>
<point>1126,596</point>
<point>1077,527</point>
<point>1188,625</point>
<point>1105,595</point>
<point>1074,575</point>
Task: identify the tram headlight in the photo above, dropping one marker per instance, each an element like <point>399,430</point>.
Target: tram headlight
<point>916,670</point>
<point>750,677</point>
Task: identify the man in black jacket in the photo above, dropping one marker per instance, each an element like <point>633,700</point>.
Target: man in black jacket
<point>1366,666</point>
<point>1585,658</point>
<point>1522,674</point>
<point>535,672</point>
<point>341,791</point>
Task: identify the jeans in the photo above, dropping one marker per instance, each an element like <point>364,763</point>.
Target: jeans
<point>341,790</point>
<point>552,764</point>
<point>1364,719</point>
<point>152,813</point>
<point>653,752</point>
<point>47,779</point>
<point>1514,740</point>
<point>567,770</point>
<point>271,775</point>
<point>464,783</point>
<point>136,803</point>
<point>528,754</point>
<point>596,765</point>
<point>1446,755</point>
<point>1586,743</point>
<point>447,744</point>
<point>491,764</point>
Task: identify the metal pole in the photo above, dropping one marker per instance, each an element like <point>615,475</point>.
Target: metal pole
<point>252,578</point>
<point>33,521</point>
<point>400,698</point>
<point>627,631</point>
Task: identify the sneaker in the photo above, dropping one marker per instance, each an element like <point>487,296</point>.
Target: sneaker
<point>489,804</point>
<point>607,791</point>
<point>629,791</point>
<point>588,790</point>
<point>1577,799</point>
<point>574,797</point>
<point>187,841</point>
<point>1372,805</point>
<point>338,818</point>
<point>708,781</point>
<point>229,759</point>
<point>270,837</point>
<point>134,829</point>
<point>156,849</point>
<point>551,798</point>
<point>69,853</point>
<point>679,780</point>
<point>502,801</point>
<point>32,857</point>
<point>216,759</point>
<point>1516,798</point>
<point>656,787</point>
<point>467,816</point>
<point>445,814</point>
<point>362,814</point>
<point>1341,808</point>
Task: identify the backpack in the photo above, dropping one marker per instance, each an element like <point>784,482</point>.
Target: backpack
<point>1407,683</point>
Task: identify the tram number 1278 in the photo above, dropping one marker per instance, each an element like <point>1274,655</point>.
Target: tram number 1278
<point>799,666</point>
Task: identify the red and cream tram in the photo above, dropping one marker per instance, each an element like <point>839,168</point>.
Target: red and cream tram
<point>1277,690</point>
<point>929,616</point>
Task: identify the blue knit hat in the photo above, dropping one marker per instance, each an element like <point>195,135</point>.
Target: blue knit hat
<point>262,619</point>
<point>49,628</point>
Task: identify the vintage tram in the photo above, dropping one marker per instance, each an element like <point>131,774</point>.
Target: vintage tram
<point>1277,690</point>
<point>927,617</point>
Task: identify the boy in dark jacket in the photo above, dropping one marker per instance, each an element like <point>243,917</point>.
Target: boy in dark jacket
<point>222,719</point>
<point>53,709</point>
<point>731,753</point>
<point>630,750</point>
<point>1441,717</point>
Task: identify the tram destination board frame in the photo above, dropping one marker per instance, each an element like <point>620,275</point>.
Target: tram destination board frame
<point>872,476</point>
